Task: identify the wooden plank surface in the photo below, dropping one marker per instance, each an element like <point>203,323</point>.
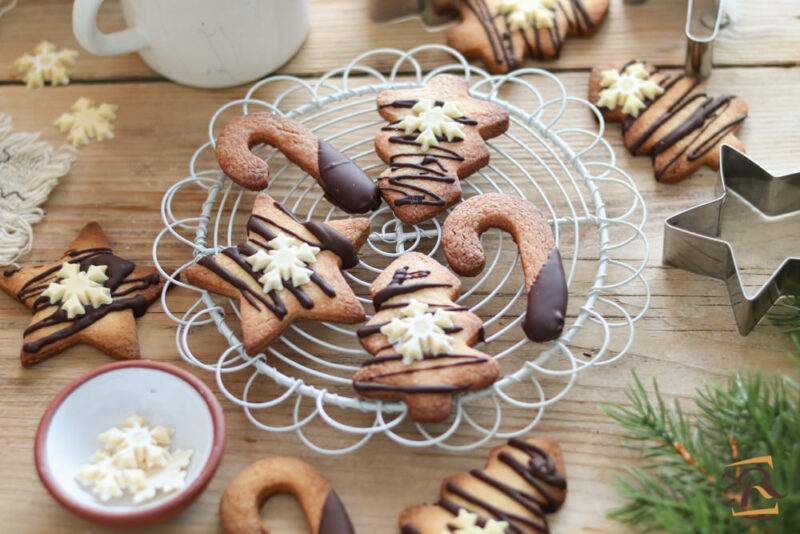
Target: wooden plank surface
<point>761,33</point>
<point>686,338</point>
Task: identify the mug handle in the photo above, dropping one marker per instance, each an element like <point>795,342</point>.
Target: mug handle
<point>84,26</point>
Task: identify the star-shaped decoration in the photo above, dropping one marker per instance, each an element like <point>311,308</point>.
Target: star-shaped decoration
<point>419,331</point>
<point>87,121</point>
<point>109,326</point>
<point>268,305</point>
<point>467,523</point>
<point>627,89</point>
<point>691,242</point>
<point>424,170</point>
<point>47,64</point>
<point>524,14</point>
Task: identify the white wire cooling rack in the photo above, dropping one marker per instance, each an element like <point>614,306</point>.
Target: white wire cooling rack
<point>569,172</point>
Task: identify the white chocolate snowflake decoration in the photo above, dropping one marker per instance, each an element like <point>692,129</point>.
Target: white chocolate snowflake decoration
<point>467,523</point>
<point>76,289</point>
<point>167,478</point>
<point>47,64</point>
<point>138,445</point>
<point>627,89</point>
<point>87,121</point>
<point>135,458</point>
<point>105,477</point>
<point>433,120</point>
<point>524,14</point>
<point>287,260</point>
<point>420,331</point>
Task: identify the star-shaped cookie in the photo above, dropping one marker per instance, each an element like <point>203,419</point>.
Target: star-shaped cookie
<point>669,118</point>
<point>435,137</point>
<point>88,296</point>
<point>285,271</point>
<point>502,32</point>
<point>422,340</point>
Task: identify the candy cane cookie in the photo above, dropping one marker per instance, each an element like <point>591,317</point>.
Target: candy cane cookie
<point>344,183</point>
<point>239,506</point>
<point>545,284</point>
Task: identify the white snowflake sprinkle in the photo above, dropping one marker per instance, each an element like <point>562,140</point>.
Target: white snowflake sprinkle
<point>523,14</point>
<point>287,260</point>
<point>47,64</point>
<point>419,332</point>
<point>627,89</point>
<point>76,289</point>
<point>138,445</point>
<point>86,121</point>
<point>433,121</point>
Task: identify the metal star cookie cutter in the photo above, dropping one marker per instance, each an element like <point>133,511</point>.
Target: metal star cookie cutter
<point>691,242</point>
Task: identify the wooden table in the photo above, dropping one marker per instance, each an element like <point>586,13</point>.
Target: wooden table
<point>687,337</point>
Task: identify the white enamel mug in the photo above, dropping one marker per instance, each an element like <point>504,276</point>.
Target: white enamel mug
<point>204,43</point>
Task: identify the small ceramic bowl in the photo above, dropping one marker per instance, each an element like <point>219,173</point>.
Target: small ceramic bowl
<point>161,393</point>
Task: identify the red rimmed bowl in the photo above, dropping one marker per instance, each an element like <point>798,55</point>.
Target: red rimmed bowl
<point>101,399</point>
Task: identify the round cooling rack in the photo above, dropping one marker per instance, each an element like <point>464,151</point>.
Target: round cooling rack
<point>569,172</point>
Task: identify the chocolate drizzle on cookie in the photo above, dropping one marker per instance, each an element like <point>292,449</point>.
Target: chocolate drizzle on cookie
<point>119,283</point>
<point>540,475</point>
<point>395,288</point>
<point>430,166</point>
<point>261,230</point>
<point>497,29</point>
<point>698,129</point>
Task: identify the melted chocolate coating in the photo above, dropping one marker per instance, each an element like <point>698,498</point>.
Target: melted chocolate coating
<point>334,518</point>
<point>547,301</point>
<point>345,184</point>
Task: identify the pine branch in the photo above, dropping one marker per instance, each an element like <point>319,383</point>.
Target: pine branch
<point>681,489</point>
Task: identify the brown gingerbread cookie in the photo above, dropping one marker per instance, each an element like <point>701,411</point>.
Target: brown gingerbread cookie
<point>88,296</point>
<point>545,284</point>
<point>285,271</point>
<point>344,183</point>
<point>671,118</point>
<point>435,137</point>
<point>422,340</point>
<point>239,506</point>
<point>522,481</point>
<point>502,32</point>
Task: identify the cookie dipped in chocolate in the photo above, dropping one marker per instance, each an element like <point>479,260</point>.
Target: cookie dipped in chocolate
<point>344,183</point>
<point>545,283</point>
